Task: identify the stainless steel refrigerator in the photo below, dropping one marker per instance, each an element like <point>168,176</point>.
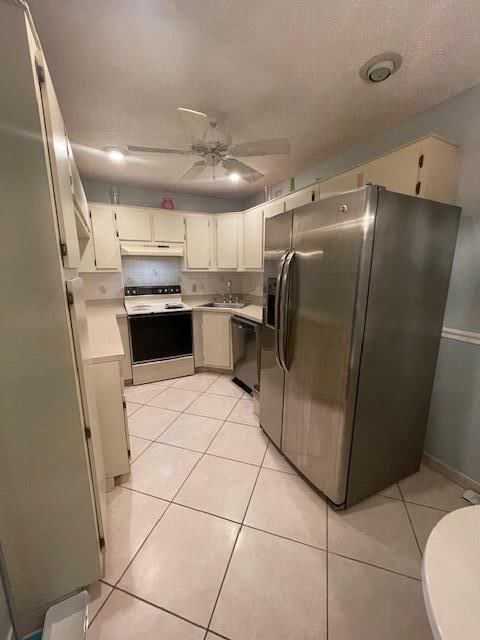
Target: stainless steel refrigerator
<point>354,297</point>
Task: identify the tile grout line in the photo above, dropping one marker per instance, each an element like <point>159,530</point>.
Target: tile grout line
<point>90,622</point>
<point>235,544</point>
<point>410,521</point>
<point>326,561</point>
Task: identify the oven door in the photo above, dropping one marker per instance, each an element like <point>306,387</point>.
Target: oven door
<point>160,336</point>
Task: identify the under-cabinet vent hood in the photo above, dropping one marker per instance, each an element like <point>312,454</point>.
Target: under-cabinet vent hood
<point>151,248</point>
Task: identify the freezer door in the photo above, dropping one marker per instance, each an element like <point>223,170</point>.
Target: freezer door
<point>278,233</point>
<point>323,326</point>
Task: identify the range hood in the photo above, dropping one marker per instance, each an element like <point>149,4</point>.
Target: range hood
<point>151,249</point>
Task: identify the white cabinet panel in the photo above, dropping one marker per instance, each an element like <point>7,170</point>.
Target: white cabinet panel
<point>134,223</point>
<point>126,363</point>
<point>168,226</point>
<point>198,242</point>
<point>397,171</point>
<point>253,238</point>
<point>227,241</point>
<point>343,182</point>
<point>216,335</point>
<point>274,207</point>
<point>300,198</point>
<point>105,241</point>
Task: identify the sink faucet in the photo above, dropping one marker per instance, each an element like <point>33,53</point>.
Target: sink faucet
<point>229,290</point>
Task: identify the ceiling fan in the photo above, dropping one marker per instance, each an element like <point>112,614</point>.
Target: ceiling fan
<point>214,146</point>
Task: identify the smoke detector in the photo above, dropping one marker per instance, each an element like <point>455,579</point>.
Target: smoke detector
<point>380,67</point>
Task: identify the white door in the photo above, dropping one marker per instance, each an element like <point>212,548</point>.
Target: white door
<point>58,149</point>
<point>105,241</point>
<point>216,333</point>
<point>134,223</point>
<point>198,249</point>
<point>168,226</point>
<point>253,238</point>
<point>78,316</point>
<point>227,241</point>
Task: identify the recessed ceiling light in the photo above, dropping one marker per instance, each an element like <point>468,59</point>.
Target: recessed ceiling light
<point>116,154</point>
<point>380,67</point>
<point>234,177</point>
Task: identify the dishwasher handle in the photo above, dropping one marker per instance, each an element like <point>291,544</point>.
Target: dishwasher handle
<point>241,323</point>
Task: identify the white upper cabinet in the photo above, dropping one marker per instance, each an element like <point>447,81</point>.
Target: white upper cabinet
<point>274,207</point>
<point>252,241</point>
<point>168,226</point>
<point>226,226</point>
<point>134,223</point>
<point>105,241</point>
<point>343,182</point>
<point>396,171</point>
<point>300,198</point>
<point>198,250</point>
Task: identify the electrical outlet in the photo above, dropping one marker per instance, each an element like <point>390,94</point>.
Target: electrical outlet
<point>194,287</point>
<point>103,290</point>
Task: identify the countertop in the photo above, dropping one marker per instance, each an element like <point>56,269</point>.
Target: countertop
<point>250,312</point>
<point>105,340</point>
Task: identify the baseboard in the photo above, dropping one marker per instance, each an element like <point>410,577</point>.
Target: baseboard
<point>449,473</point>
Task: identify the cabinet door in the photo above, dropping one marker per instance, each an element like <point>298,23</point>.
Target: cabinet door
<point>58,150</point>
<point>105,241</point>
<point>397,171</point>
<point>216,333</point>
<point>299,198</point>
<point>168,226</point>
<point>134,223</point>
<point>227,241</point>
<point>343,182</point>
<point>253,238</point>
<point>198,244</point>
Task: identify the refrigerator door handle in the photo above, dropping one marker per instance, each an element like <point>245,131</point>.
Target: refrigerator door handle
<point>277,310</point>
<point>284,311</point>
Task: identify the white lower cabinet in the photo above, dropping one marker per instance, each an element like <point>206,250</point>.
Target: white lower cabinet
<point>213,339</point>
<point>112,417</point>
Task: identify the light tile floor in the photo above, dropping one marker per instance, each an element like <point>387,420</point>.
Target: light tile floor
<point>214,535</point>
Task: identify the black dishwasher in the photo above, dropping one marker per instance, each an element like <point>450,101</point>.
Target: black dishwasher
<point>246,352</point>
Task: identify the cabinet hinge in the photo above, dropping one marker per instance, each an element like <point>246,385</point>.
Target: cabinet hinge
<point>117,234</point>
<point>101,542</point>
<point>88,432</point>
<point>124,404</point>
<point>69,297</point>
<point>90,213</point>
<point>63,249</point>
<point>420,161</point>
<point>95,261</point>
<point>115,215</point>
<point>313,196</point>
<point>417,187</point>
<point>40,72</point>
<point>129,453</point>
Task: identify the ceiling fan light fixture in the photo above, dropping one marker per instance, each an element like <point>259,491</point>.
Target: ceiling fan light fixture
<point>234,176</point>
<point>116,154</point>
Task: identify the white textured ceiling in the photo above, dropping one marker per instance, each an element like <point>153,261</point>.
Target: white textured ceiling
<point>268,67</point>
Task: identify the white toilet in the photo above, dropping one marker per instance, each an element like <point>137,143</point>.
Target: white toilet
<point>451,576</point>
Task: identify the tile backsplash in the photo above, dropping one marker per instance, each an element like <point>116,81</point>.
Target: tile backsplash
<point>146,271</point>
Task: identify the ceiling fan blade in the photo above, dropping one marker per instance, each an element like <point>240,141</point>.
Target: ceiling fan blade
<point>193,171</point>
<point>261,147</point>
<point>180,152</point>
<point>244,171</point>
<point>195,122</point>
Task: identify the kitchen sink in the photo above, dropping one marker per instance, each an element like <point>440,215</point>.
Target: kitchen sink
<point>225,305</point>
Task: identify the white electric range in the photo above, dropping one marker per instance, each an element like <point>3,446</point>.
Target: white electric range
<point>160,329</point>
